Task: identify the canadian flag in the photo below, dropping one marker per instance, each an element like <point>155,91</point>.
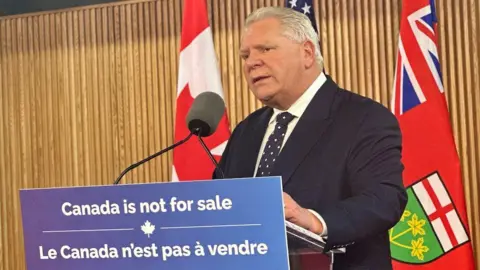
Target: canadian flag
<point>198,72</point>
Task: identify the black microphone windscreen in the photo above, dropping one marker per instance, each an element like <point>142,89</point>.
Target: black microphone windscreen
<point>205,114</point>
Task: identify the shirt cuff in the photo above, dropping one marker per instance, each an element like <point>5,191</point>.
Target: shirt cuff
<point>325,231</point>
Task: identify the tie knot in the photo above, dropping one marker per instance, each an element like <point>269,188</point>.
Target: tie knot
<point>284,118</point>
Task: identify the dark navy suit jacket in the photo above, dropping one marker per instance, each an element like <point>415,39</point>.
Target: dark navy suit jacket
<point>343,160</point>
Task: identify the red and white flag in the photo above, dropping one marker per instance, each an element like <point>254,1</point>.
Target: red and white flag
<point>432,233</point>
<point>198,72</point>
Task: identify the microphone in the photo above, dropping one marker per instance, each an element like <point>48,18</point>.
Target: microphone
<point>205,114</point>
<point>202,120</point>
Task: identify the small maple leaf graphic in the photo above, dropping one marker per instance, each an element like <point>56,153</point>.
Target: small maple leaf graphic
<point>148,228</point>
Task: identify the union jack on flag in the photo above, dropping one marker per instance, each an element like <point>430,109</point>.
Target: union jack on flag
<point>418,72</point>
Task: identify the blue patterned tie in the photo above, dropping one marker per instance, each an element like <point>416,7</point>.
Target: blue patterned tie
<point>274,144</point>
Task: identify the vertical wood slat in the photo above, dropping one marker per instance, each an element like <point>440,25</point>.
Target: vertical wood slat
<point>116,65</point>
<point>148,103</point>
<point>7,138</point>
<point>466,137</point>
<point>473,201</point>
<point>3,184</point>
<point>10,125</point>
<point>87,91</point>
<point>161,108</point>
<point>24,112</point>
<point>23,134</point>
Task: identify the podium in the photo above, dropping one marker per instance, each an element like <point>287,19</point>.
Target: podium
<point>303,243</point>
<point>212,224</point>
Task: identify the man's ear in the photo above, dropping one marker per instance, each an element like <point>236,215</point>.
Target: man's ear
<point>309,53</point>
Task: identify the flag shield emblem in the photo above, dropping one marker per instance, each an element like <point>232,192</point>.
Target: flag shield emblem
<point>430,225</point>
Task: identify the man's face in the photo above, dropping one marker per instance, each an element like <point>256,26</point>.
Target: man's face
<point>272,62</point>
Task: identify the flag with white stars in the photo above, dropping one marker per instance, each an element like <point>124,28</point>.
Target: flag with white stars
<point>305,7</point>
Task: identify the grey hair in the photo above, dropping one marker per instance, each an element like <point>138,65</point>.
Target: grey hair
<point>296,25</point>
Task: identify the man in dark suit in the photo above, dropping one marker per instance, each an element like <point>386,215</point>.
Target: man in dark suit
<point>339,154</point>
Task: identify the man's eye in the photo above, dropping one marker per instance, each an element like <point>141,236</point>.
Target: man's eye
<point>266,49</point>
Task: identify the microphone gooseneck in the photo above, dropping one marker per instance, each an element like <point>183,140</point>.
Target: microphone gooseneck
<point>133,166</point>
<point>202,120</point>
<point>217,167</point>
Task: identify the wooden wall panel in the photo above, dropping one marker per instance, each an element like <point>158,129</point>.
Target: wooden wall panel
<point>85,92</point>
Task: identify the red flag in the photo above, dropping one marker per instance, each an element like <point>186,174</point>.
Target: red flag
<point>198,72</point>
<point>433,231</point>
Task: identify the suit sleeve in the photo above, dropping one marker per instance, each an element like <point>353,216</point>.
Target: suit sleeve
<point>374,173</point>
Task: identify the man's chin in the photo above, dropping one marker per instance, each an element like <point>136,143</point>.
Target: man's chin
<point>266,99</point>
<point>269,101</point>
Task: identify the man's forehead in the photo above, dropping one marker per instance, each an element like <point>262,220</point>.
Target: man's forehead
<point>259,32</point>
<point>263,25</point>
<point>255,42</point>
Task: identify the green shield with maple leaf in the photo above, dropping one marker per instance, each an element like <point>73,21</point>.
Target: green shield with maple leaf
<point>412,239</point>
<point>430,226</point>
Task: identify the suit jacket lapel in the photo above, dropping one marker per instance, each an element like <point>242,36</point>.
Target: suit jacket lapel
<point>307,132</point>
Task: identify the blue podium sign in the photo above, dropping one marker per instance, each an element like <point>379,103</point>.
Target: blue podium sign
<point>214,224</point>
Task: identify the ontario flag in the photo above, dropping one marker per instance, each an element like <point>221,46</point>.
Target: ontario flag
<point>198,72</point>
<point>433,230</point>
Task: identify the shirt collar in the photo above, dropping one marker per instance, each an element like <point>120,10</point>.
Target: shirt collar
<point>301,104</point>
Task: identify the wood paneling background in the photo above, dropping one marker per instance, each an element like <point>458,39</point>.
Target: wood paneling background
<point>85,92</point>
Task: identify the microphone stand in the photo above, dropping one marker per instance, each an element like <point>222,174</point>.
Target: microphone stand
<point>211,157</point>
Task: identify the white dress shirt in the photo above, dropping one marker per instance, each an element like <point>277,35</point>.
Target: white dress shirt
<point>296,110</point>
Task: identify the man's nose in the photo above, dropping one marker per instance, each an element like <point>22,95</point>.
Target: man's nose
<point>253,61</point>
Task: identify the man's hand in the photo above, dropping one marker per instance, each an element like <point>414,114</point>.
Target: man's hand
<point>301,216</point>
